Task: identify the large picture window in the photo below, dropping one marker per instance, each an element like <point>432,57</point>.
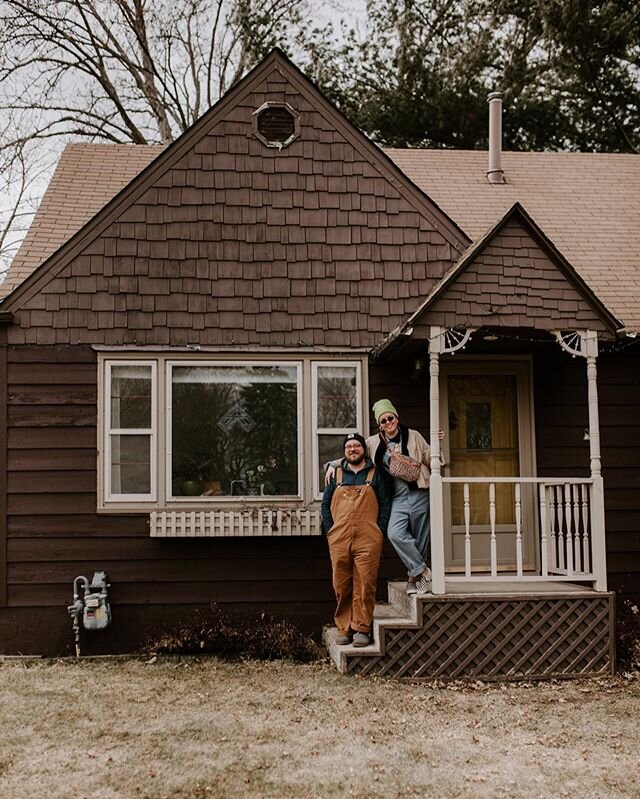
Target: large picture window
<point>234,430</point>
<point>194,433</point>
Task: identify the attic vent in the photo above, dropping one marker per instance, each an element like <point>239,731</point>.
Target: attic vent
<point>276,124</point>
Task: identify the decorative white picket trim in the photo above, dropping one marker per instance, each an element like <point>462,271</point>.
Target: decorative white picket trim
<point>234,523</point>
<point>566,527</point>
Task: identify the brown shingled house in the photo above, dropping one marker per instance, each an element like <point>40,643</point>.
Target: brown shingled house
<point>188,332</point>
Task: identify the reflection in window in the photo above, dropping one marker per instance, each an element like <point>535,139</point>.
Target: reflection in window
<point>479,425</point>
<point>337,404</point>
<point>337,400</point>
<point>130,429</point>
<point>234,430</point>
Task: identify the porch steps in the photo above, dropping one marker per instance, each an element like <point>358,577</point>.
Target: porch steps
<point>504,634</point>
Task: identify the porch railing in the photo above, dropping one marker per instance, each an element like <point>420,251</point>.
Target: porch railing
<point>562,518</point>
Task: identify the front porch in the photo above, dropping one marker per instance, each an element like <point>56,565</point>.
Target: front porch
<point>486,629</point>
<point>510,524</point>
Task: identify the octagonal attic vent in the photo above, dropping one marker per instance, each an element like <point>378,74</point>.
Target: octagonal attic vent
<point>276,124</point>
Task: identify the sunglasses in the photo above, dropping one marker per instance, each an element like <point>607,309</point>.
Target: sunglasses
<point>386,419</point>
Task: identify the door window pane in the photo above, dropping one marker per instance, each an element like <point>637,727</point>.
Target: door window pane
<point>234,430</point>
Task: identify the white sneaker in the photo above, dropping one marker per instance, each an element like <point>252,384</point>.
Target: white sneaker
<point>423,583</point>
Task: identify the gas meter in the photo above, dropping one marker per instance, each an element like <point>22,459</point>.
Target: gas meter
<point>93,606</point>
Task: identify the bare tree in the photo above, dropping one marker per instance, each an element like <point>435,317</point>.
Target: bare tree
<point>139,71</point>
<point>130,70</point>
<point>23,172</point>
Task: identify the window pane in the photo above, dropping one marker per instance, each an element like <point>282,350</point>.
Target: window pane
<point>130,397</point>
<point>337,400</point>
<point>234,430</point>
<point>329,449</point>
<point>130,464</point>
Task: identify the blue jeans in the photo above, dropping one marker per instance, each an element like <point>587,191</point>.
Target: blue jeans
<point>409,529</point>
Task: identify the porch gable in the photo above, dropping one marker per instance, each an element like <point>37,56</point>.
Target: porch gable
<point>513,277</point>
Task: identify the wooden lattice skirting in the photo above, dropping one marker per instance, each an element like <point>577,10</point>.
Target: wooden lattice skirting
<point>497,638</point>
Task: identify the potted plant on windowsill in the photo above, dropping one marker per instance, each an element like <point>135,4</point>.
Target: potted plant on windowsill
<point>193,473</point>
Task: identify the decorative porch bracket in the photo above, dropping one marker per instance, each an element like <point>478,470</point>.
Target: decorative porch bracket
<point>445,341</point>
<point>584,344</point>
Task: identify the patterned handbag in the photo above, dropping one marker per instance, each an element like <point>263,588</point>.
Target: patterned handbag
<point>402,466</point>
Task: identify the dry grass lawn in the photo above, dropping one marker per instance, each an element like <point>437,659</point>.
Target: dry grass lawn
<point>179,728</point>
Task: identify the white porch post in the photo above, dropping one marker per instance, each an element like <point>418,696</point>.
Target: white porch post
<point>598,540</point>
<point>436,497</point>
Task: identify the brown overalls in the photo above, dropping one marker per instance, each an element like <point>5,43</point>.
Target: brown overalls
<point>355,545</point>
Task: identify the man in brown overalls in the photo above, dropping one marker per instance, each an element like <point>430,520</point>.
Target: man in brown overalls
<point>356,505</point>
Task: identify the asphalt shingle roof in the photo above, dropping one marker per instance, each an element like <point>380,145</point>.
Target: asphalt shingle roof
<point>587,204</point>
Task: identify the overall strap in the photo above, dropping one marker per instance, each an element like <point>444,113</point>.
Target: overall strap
<point>370,475</point>
<point>338,476</point>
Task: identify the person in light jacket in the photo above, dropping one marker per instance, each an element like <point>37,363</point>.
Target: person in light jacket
<point>409,525</point>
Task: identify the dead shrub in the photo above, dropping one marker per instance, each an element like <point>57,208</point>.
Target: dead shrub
<point>628,635</point>
<point>216,632</point>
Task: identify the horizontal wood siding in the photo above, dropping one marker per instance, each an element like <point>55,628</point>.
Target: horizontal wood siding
<point>3,467</point>
<point>560,392</point>
<point>55,534</point>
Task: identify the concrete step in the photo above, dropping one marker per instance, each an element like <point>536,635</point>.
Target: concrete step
<point>399,613</point>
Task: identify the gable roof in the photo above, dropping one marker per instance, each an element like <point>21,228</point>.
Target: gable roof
<point>587,204</point>
<point>86,178</point>
<point>222,240</point>
<point>508,259</point>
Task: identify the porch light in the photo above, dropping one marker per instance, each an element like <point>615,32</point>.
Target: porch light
<point>489,337</point>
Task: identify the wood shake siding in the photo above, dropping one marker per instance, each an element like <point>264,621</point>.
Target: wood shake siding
<point>513,282</point>
<point>234,242</point>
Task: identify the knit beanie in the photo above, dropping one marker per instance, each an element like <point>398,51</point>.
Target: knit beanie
<point>354,437</point>
<point>383,406</point>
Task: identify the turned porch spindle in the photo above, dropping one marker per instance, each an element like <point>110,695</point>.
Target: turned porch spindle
<point>544,566</point>
<point>492,522</point>
<point>518,530</point>
<point>467,531</point>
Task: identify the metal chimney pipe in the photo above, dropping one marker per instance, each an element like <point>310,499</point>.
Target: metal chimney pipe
<point>495,173</point>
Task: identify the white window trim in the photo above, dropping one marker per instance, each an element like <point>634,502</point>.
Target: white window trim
<point>161,363</point>
<point>317,431</point>
<point>109,431</point>
<point>232,500</point>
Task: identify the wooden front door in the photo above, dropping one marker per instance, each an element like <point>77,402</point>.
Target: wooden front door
<point>487,416</point>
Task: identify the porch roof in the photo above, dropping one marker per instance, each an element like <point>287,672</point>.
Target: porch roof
<point>587,204</point>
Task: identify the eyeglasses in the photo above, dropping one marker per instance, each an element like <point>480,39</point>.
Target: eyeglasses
<point>387,419</point>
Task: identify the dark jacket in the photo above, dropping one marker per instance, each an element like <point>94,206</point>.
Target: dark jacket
<point>379,483</point>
